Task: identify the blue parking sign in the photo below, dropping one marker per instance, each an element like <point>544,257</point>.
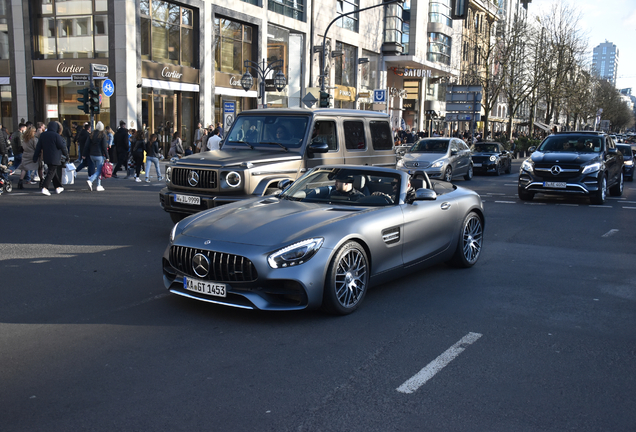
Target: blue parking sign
<point>379,96</point>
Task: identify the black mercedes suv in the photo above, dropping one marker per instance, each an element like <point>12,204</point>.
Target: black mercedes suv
<point>573,163</point>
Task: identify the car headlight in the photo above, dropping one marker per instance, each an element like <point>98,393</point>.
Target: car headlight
<point>400,163</point>
<point>591,168</point>
<point>233,179</point>
<point>527,166</point>
<point>493,158</point>
<point>168,174</point>
<point>629,162</point>
<point>437,164</point>
<point>295,254</point>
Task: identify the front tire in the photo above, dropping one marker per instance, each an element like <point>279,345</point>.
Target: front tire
<point>8,187</point>
<point>347,280</point>
<point>448,174</point>
<point>470,242</point>
<point>599,196</point>
<point>617,189</point>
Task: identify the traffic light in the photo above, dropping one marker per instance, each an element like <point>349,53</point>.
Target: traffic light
<point>83,100</point>
<point>324,99</point>
<point>459,9</point>
<point>93,100</point>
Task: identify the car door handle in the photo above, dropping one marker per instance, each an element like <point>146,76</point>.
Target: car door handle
<point>445,206</point>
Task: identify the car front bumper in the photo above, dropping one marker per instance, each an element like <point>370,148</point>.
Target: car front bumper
<point>169,203</point>
<point>585,185</point>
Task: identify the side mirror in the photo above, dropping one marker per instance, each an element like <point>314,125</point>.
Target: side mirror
<point>425,195</point>
<point>532,149</point>
<point>318,146</point>
<point>612,151</point>
<point>454,152</point>
<point>284,184</point>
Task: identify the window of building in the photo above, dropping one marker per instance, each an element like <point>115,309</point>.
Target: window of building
<point>71,29</point>
<point>406,26</point>
<point>439,12</point>
<point>393,24</point>
<point>277,49</point>
<point>439,48</point>
<point>4,31</point>
<point>346,64</point>
<point>233,45</point>
<point>291,8</point>
<point>349,22</point>
<point>254,2</point>
<point>604,50</point>
<point>167,32</point>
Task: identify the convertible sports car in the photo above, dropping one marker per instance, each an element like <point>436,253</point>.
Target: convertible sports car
<point>324,240</point>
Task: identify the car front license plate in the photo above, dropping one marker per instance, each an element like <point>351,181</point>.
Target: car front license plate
<point>556,185</point>
<point>476,164</point>
<point>187,199</point>
<point>204,287</point>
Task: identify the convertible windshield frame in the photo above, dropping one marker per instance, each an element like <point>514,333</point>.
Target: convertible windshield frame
<point>377,189</point>
<point>281,132</point>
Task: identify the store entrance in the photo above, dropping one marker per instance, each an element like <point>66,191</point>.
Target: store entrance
<point>160,115</point>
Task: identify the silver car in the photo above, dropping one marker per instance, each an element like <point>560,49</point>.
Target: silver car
<point>324,240</point>
<point>442,158</point>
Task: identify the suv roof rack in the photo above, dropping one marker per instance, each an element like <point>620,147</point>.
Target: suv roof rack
<point>581,132</point>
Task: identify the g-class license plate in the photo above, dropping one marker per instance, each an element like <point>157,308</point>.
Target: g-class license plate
<point>187,199</point>
<point>556,185</point>
<point>203,287</point>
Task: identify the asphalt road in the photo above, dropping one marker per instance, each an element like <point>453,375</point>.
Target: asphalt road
<point>540,335</point>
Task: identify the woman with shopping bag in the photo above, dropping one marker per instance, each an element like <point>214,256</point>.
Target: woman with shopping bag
<point>97,150</point>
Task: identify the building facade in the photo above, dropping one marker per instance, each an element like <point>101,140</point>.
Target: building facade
<point>605,61</point>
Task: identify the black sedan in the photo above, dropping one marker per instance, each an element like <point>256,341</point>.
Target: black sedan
<point>491,157</point>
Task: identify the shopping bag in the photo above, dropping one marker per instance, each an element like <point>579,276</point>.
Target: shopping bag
<point>68,174</point>
<point>107,170</point>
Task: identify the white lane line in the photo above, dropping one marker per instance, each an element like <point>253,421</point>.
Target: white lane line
<point>629,202</point>
<point>429,371</point>
<point>601,206</point>
<point>510,184</point>
<point>535,203</point>
<point>630,208</point>
<point>610,233</point>
<point>568,205</point>
<point>506,202</point>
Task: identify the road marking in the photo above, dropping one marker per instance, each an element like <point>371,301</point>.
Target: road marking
<point>569,205</point>
<point>610,233</point>
<point>629,202</point>
<point>535,203</point>
<point>506,202</point>
<point>429,371</point>
<point>510,184</point>
<point>601,206</point>
<point>616,198</point>
<point>630,208</point>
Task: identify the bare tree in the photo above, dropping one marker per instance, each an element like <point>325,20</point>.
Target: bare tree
<point>614,109</point>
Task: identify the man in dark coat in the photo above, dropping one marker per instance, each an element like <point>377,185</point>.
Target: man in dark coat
<point>84,139</point>
<point>121,142</point>
<point>52,145</point>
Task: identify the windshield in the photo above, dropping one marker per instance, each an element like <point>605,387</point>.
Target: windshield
<point>572,144</point>
<point>430,146</point>
<point>344,186</point>
<point>268,130</point>
<point>626,150</point>
<point>485,148</point>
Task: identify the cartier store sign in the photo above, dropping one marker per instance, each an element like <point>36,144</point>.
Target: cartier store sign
<point>64,68</point>
<point>169,72</point>
<point>227,80</point>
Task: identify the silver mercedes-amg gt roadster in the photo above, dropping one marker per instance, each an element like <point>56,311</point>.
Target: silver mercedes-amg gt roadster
<point>324,240</point>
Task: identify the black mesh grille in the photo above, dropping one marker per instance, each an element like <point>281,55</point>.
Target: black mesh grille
<point>568,171</point>
<point>207,178</point>
<point>223,267</point>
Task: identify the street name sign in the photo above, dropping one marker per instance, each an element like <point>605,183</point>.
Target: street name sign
<point>457,106</point>
<point>79,77</point>
<point>462,117</point>
<point>99,68</point>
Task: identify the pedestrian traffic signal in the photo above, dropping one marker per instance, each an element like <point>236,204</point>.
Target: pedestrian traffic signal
<point>324,99</point>
<point>83,100</point>
<point>93,100</point>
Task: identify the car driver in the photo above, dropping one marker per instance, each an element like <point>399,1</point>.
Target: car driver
<point>344,189</point>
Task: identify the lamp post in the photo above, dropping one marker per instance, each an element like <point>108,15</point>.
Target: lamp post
<point>247,80</point>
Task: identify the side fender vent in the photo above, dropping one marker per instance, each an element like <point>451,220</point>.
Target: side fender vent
<point>391,235</point>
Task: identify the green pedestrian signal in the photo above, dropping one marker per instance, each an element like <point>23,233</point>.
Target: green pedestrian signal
<point>93,100</point>
<point>83,100</point>
<point>324,99</point>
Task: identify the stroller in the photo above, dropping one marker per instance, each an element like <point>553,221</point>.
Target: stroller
<point>5,183</point>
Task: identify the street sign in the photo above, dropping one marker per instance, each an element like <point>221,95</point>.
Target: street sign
<point>108,87</point>
<point>462,117</point>
<point>309,100</point>
<point>464,107</point>
<point>379,96</point>
<point>99,74</point>
<point>99,68</point>
<point>229,112</point>
<point>462,97</point>
<point>365,94</point>
<point>79,77</point>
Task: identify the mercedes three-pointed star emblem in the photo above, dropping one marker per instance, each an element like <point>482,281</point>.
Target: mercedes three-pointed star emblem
<point>193,178</point>
<point>200,265</point>
<point>555,170</point>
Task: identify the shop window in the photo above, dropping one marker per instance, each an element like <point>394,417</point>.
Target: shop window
<point>71,29</point>
<point>167,32</point>
<point>381,135</point>
<point>354,135</point>
<point>233,45</point>
<point>346,65</point>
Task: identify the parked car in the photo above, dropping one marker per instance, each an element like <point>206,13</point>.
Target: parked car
<point>442,158</point>
<point>324,240</point>
<point>628,160</point>
<point>265,147</point>
<point>573,163</point>
<point>491,157</point>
